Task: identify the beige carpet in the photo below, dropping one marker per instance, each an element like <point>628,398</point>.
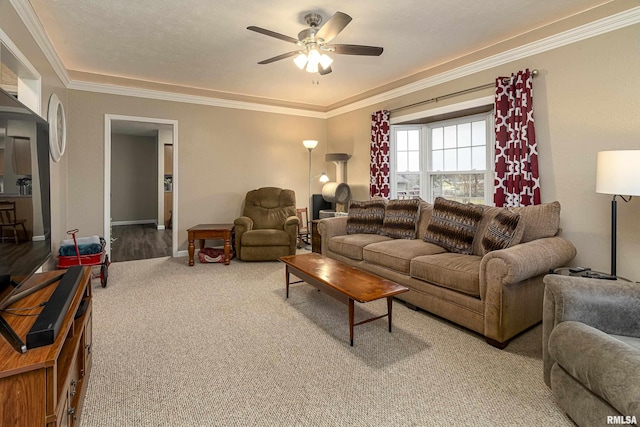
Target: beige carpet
<point>215,345</point>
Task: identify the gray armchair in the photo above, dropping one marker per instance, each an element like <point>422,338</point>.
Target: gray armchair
<point>268,227</point>
<point>591,348</point>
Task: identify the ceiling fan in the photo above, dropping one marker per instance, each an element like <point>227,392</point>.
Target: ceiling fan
<point>313,43</point>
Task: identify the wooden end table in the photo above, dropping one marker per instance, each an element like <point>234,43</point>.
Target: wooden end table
<point>210,231</point>
<point>343,282</point>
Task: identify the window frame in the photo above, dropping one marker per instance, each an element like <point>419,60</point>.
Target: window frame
<point>426,190</point>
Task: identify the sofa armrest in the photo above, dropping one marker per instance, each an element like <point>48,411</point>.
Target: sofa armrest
<point>330,227</point>
<point>524,261</point>
<point>610,306</point>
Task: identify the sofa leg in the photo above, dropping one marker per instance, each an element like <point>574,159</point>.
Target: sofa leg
<point>496,344</point>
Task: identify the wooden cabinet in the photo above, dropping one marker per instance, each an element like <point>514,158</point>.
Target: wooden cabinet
<point>168,159</point>
<point>1,161</point>
<point>316,238</point>
<point>22,156</point>
<point>46,386</point>
<point>168,208</point>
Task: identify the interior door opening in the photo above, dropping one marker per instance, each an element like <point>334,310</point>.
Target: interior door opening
<point>140,202</point>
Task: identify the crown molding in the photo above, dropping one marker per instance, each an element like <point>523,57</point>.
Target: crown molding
<point>592,29</point>
<point>191,99</point>
<point>30,19</point>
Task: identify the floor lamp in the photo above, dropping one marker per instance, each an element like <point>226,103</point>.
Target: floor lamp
<point>617,173</point>
<point>310,144</point>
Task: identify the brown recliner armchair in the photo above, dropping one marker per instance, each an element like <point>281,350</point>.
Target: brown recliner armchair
<point>268,227</point>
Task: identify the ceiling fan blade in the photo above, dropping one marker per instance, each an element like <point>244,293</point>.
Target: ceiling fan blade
<point>355,49</point>
<point>324,71</point>
<point>333,26</point>
<point>273,34</point>
<point>279,57</point>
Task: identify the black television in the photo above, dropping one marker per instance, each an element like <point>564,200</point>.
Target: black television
<point>24,179</point>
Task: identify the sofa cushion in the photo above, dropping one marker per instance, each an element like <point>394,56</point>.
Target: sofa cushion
<point>453,225</point>
<point>397,254</point>
<point>401,219</point>
<point>504,230</point>
<point>450,270</point>
<point>366,217</point>
<point>540,220</point>
<point>350,245</point>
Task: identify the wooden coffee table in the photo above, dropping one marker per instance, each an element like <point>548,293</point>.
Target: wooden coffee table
<point>343,282</point>
<point>210,231</point>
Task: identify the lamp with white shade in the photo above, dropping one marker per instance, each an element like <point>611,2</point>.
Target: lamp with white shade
<point>617,173</point>
<point>310,144</point>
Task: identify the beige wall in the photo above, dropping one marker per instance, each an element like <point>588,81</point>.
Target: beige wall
<point>222,154</point>
<point>586,99</point>
<point>134,178</point>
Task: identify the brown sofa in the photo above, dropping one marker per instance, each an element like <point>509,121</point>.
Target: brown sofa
<point>268,227</point>
<point>497,294</point>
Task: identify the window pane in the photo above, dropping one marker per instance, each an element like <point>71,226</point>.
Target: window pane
<point>437,139</point>
<point>414,140</point>
<point>464,135</point>
<point>437,160</point>
<point>408,186</point>
<point>479,130</point>
<point>414,161</point>
<point>401,139</point>
<point>479,155</point>
<point>402,161</point>
<point>464,188</point>
<point>464,159</point>
<point>450,160</point>
<point>450,137</point>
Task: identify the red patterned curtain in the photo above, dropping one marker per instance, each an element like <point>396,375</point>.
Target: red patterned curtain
<point>517,182</point>
<point>380,132</point>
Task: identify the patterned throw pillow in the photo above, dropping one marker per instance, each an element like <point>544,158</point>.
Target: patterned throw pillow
<point>504,230</point>
<point>401,219</point>
<point>453,225</point>
<point>365,217</point>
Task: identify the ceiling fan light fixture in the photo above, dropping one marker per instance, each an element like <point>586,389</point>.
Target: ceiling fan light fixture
<point>325,61</point>
<point>300,61</point>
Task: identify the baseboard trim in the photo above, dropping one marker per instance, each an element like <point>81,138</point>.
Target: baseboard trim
<point>135,222</point>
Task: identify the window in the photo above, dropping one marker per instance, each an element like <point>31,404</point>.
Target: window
<point>450,159</point>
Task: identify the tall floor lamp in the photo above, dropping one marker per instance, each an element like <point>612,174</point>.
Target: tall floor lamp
<point>617,173</point>
<point>310,144</point>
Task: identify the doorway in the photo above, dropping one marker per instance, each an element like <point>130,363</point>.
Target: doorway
<point>144,230</point>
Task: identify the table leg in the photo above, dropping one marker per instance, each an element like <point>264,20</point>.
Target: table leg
<point>192,249</point>
<point>227,248</point>
<point>389,306</point>
<point>286,272</point>
<point>202,243</point>
<point>351,317</point>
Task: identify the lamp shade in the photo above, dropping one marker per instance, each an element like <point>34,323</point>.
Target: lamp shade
<point>310,143</point>
<point>618,172</point>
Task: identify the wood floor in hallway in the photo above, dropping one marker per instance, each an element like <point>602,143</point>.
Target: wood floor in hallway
<point>141,241</point>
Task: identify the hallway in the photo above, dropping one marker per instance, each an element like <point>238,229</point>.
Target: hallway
<point>133,242</point>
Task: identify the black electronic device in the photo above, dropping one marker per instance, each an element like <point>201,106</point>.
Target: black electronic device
<point>21,126</point>
<point>46,327</point>
<point>319,203</point>
<point>576,270</point>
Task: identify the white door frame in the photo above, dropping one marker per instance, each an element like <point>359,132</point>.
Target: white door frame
<point>108,118</point>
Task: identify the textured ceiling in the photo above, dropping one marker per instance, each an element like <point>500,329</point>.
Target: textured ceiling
<point>205,44</point>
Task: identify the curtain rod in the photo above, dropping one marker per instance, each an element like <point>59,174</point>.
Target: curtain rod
<point>451,95</point>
